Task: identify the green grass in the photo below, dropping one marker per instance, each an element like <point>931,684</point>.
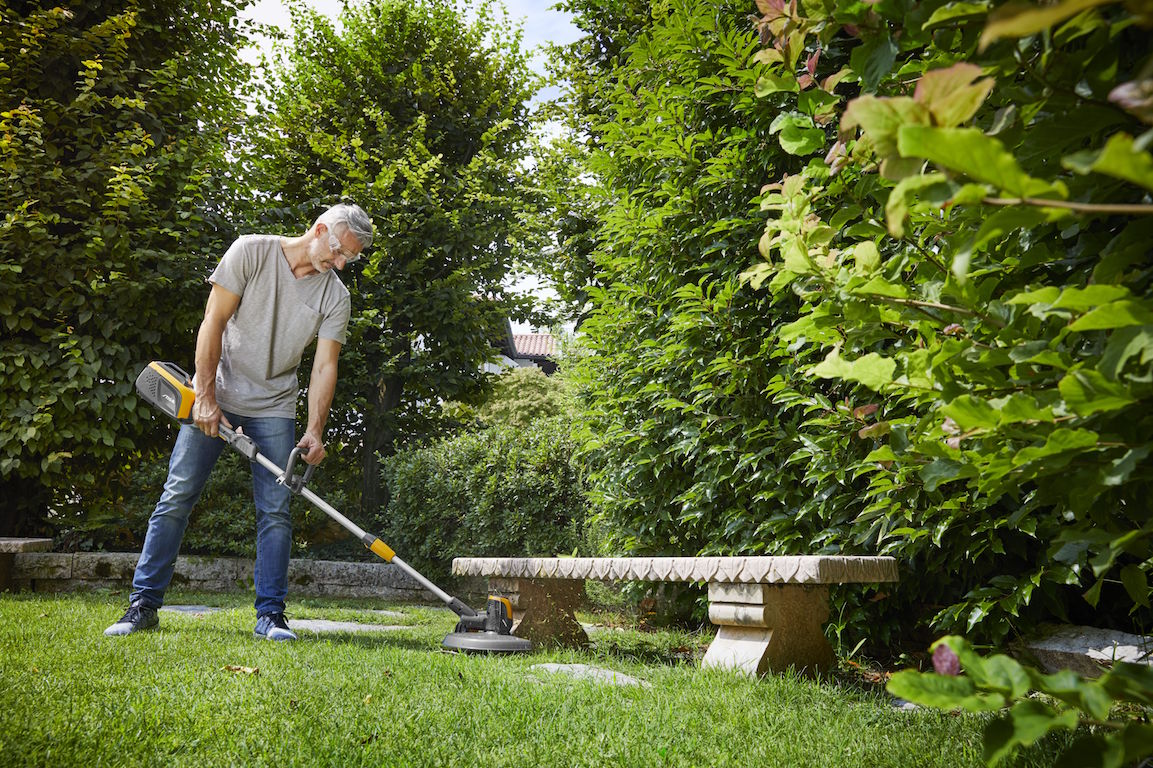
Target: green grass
<point>69,696</point>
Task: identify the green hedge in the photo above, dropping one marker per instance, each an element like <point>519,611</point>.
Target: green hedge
<point>502,491</point>
<point>941,349</point>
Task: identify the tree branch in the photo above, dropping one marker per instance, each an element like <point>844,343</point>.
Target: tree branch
<point>1136,209</point>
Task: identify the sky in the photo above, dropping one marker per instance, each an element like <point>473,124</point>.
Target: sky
<point>541,23</point>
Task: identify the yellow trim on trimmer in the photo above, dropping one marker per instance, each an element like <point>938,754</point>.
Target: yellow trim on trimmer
<point>183,390</point>
<point>507,604</point>
<point>382,549</point>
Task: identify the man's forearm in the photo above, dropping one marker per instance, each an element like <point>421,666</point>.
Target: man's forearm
<point>209,345</point>
<point>321,389</point>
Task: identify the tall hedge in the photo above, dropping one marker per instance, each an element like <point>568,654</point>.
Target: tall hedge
<point>875,281</point>
<point>114,123</point>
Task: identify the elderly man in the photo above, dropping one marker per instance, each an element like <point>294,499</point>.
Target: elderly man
<point>271,297</point>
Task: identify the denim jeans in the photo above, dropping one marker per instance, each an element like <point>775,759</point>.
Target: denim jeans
<point>193,458</point>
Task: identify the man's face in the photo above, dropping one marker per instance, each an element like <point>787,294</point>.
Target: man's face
<point>329,250</point>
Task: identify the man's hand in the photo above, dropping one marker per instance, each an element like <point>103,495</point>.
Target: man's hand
<point>207,416</point>
<point>313,446</point>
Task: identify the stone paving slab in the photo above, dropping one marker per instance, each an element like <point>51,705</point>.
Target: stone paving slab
<point>593,674</point>
<point>192,610</point>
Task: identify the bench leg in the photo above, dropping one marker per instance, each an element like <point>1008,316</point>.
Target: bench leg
<point>765,628</point>
<point>544,609</point>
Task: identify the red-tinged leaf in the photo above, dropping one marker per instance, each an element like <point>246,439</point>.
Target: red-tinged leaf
<point>951,95</point>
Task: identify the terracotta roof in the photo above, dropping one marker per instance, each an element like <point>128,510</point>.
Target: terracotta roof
<point>534,344</point>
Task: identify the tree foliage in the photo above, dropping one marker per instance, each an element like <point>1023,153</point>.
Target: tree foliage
<point>419,117</point>
<point>942,351</point>
<point>114,119</point>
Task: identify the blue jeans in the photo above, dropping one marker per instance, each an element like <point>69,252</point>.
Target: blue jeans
<point>193,458</point>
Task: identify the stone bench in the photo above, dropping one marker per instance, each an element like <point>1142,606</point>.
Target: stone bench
<point>769,610</point>
<point>9,548</point>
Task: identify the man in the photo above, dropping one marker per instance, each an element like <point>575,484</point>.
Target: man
<point>270,297</point>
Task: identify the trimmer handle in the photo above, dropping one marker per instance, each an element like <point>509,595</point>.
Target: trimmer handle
<point>296,483</point>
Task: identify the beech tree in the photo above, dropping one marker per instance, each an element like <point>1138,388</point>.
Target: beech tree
<point>418,112</point>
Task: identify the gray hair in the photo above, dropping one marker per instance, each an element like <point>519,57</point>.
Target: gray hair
<point>352,217</point>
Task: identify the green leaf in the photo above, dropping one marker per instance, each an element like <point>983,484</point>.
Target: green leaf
<point>1119,158</point>
<point>1046,296</point>
<point>1125,344</point>
<point>1061,440</point>
<point>1021,19</point>
<point>902,198</point>
<point>1093,750</point>
<point>1028,721</point>
<point>879,286</point>
<point>874,59</point>
<point>981,157</point>
<point>799,140</point>
<point>942,691</point>
<point>880,119</point>
<point>1067,686</point>
<point>955,12</point>
<point>1116,472</point>
<point>866,257</point>
<point>1136,584</point>
<point>1129,682</point>
<point>1081,299</point>
<point>940,471</point>
<point>872,370</point>
<point>770,82</point>
<point>1087,392</point>
<point>970,412</point>
<point>1117,314</point>
<point>1020,407</point>
<point>1137,739</point>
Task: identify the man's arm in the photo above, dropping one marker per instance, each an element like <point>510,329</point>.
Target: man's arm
<point>222,304</point>
<point>321,387</point>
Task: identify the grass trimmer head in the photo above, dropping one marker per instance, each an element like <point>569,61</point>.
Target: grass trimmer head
<point>168,388</point>
<point>488,632</point>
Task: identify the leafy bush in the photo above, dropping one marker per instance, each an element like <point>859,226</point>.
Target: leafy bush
<point>944,350</point>
<point>114,125</point>
<point>223,522</point>
<point>500,492</point>
<point>1111,713</point>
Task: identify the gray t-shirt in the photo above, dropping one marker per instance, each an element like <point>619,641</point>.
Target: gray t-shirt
<point>278,317</point>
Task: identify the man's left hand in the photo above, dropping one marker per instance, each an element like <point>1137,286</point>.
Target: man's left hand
<point>314,448</point>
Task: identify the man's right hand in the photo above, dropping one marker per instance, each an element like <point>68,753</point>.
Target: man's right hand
<point>207,416</point>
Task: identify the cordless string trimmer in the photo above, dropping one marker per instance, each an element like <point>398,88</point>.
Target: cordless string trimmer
<point>167,387</point>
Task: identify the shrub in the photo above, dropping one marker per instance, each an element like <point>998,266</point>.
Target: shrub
<point>501,491</point>
<point>943,350</point>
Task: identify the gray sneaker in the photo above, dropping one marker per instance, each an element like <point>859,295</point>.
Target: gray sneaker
<point>138,617</point>
<point>273,626</point>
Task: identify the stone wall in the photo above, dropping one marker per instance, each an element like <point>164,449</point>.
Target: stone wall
<point>58,572</point>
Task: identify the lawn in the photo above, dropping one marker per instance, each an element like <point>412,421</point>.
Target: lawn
<point>70,696</point>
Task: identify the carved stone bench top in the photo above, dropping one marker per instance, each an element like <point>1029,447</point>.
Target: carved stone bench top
<point>792,569</point>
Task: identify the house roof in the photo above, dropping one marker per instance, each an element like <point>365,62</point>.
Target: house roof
<point>532,345</point>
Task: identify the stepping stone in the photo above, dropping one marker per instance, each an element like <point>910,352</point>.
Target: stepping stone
<point>393,614</point>
<point>595,674</point>
<point>191,610</point>
<point>324,626</point>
